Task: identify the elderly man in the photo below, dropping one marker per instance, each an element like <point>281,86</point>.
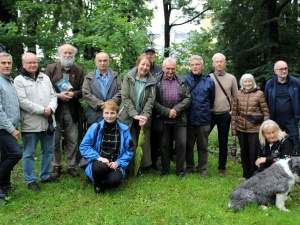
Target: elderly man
<point>38,102</point>
<point>226,88</point>
<point>11,152</point>
<point>172,100</point>
<point>67,112</point>
<point>99,86</point>
<point>282,93</point>
<point>202,89</point>
<point>152,55</point>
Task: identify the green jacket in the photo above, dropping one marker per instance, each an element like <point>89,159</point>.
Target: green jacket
<point>181,108</point>
<point>127,109</point>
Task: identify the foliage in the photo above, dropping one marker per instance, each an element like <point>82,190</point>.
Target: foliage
<point>258,34</point>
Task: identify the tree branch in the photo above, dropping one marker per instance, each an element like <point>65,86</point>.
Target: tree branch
<point>199,14</point>
<point>281,7</point>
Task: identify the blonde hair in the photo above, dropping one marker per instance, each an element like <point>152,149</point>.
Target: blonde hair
<point>265,125</point>
<point>111,105</point>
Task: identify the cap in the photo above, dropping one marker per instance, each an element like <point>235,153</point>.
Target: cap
<point>149,49</point>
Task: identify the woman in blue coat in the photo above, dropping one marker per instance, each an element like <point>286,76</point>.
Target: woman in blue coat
<point>108,148</point>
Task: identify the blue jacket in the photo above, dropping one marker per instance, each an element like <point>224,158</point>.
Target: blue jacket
<point>294,91</point>
<point>89,142</point>
<point>203,97</point>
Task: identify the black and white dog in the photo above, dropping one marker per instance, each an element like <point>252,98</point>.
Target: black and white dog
<point>271,186</point>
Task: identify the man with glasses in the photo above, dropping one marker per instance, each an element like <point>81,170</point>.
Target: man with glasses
<point>283,97</point>
<point>38,102</point>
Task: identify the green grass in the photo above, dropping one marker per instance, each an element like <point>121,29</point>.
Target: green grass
<point>149,199</point>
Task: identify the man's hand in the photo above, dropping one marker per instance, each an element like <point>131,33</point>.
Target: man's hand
<point>16,134</point>
<point>172,114</point>
<point>47,112</point>
<point>65,96</point>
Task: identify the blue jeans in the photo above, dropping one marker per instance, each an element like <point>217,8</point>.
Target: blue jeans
<point>11,153</point>
<point>30,141</point>
<point>223,124</point>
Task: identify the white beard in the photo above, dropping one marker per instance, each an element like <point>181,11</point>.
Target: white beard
<point>67,62</point>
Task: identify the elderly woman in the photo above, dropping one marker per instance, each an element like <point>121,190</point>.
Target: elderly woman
<point>138,96</point>
<point>108,148</point>
<point>247,101</point>
<point>274,144</point>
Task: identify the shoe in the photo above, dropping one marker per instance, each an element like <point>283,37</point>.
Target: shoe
<point>2,193</point>
<point>222,173</point>
<point>99,190</point>
<point>164,173</point>
<point>181,175</point>
<point>7,189</point>
<point>34,186</point>
<point>56,172</point>
<point>204,174</point>
<point>73,172</point>
<point>155,167</point>
<point>50,180</point>
<point>189,170</point>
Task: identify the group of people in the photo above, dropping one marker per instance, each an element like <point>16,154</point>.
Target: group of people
<point>171,110</point>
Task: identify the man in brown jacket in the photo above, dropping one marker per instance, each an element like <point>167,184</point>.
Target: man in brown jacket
<point>66,114</point>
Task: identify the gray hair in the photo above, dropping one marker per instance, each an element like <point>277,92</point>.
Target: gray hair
<point>247,76</point>
<point>196,57</point>
<point>169,59</point>
<point>60,47</point>
<point>5,54</point>
<point>266,124</point>
<point>218,54</point>
<point>23,55</point>
<point>278,62</point>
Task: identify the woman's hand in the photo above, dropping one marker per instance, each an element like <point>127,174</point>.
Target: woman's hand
<point>103,160</point>
<point>113,165</point>
<point>260,161</point>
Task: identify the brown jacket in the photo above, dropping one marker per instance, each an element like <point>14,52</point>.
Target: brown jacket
<point>247,103</point>
<point>76,79</point>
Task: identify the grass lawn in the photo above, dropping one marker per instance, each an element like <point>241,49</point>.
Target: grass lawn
<point>149,199</point>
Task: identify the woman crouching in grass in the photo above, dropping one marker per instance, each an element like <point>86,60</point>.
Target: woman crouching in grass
<point>108,148</point>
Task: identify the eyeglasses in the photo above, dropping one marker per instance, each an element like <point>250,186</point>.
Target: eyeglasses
<point>31,63</point>
<point>196,64</point>
<point>282,69</point>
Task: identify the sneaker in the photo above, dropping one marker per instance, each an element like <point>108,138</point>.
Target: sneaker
<point>222,173</point>
<point>73,172</point>
<point>50,180</point>
<point>56,172</point>
<point>99,190</point>
<point>34,186</point>
<point>181,175</point>
<point>204,174</point>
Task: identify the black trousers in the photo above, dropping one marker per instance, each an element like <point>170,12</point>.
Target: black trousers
<point>103,175</point>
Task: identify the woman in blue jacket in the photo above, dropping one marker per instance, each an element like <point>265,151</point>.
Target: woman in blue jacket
<point>108,148</point>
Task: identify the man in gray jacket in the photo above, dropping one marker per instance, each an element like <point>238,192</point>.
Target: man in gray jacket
<point>11,152</point>
<point>99,86</point>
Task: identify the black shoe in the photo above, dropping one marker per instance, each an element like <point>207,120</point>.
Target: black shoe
<point>34,186</point>
<point>7,189</point>
<point>2,193</point>
<point>155,167</point>
<point>99,190</point>
<point>50,180</point>
<point>181,175</point>
<point>164,173</point>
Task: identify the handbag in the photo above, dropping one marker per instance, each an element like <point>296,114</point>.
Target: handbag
<point>257,117</point>
<point>51,128</point>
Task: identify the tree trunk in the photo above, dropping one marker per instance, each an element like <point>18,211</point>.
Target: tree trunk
<point>167,13</point>
<point>273,29</point>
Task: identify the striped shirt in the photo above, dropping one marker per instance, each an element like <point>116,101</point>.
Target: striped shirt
<point>110,144</point>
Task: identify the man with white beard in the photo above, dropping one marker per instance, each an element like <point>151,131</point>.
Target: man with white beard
<point>66,114</point>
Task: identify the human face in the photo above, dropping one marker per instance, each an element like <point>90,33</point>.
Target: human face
<point>109,115</point>
<point>30,63</point>
<point>5,65</point>
<point>67,56</point>
<point>281,69</point>
<point>143,67</point>
<point>102,62</point>
<point>248,84</point>
<point>271,134</point>
<point>219,64</point>
<point>169,69</point>
<point>196,67</point>
<point>151,55</point>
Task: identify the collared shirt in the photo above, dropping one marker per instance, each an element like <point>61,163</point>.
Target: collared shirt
<point>222,74</point>
<point>139,88</point>
<point>103,81</point>
<point>66,72</point>
<point>170,96</point>
<point>110,144</point>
